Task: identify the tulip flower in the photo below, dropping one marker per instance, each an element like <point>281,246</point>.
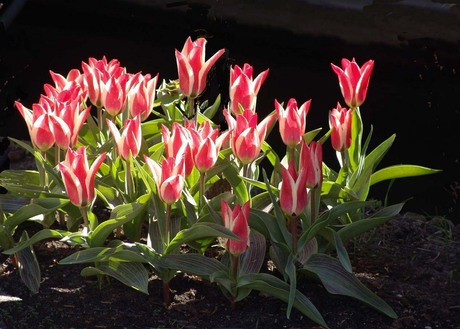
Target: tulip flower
<point>237,222</point>
<point>353,80</point>
<point>141,96</point>
<point>243,88</point>
<point>248,136</point>
<point>206,145</point>
<point>113,94</point>
<point>311,157</point>
<point>340,121</point>
<point>293,190</point>
<point>129,142</point>
<point>169,177</point>
<point>292,121</point>
<point>178,138</point>
<point>79,177</point>
<point>97,71</point>
<point>44,127</point>
<point>192,67</point>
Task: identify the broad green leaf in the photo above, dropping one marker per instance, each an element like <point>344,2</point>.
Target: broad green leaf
<point>120,214</point>
<point>210,112</point>
<point>275,287</point>
<point>358,227</point>
<point>235,180</point>
<point>40,235</point>
<point>133,275</point>
<point>29,270</point>
<point>327,218</point>
<point>198,231</point>
<point>338,281</point>
<point>400,171</point>
<point>341,251</point>
<point>356,136</point>
<point>252,259</point>
<point>310,135</point>
<point>196,264</point>
<point>38,207</point>
<point>102,254</point>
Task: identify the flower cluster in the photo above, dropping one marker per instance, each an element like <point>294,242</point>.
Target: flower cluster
<point>153,157</point>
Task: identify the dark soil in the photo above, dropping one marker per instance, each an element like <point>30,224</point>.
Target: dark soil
<point>412,263</point>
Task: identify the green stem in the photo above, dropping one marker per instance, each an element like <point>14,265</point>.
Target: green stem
<point>42,172</point>
<point>129,182</point>
<point>292,222</point>
<point>167,224</point>
<point>99,118</point>
<point>84,214</point>
<point>201,191</point>
<point>191,109</point>
<point>290,153</point>
<point>313,209</point>
<point>166,300</point>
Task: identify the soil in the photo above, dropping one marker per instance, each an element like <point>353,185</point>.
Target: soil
<point>412,262</point>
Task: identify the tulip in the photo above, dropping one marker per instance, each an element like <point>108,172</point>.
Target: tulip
<point>237,222</point>
<point>311,157</point>
<point>340,121</point>
<point>206,145</point>
<point>41,126</point>
<point>292,121</point>
<point>129,142</point>
<point>113,94</point>
<point>178,138</point>
<point>192,67</point>
<point>353,80</point>
<point>97,72</point>
<point>244,89</point>
<point>78,177</point>
<point>293,190</point>
<point>141,96</point>
<point>169,177</point>
<point>248,136</point>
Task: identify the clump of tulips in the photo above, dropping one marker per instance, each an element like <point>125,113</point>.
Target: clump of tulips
<point>152,156</point>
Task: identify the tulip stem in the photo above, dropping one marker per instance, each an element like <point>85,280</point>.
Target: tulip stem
<point>167,221</point>
<point>99,118</point>
<point>191,108</point>
<point>201,194</point>
<point>84,214</point>
<point>291,153</point>
<point>293,229</point>
<point>129,183</point>
<point>312,205</point>
<point>42,172</point>
<point>166,300</point>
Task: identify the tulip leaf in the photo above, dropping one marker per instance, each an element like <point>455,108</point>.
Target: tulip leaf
<point>103,254</point>
<point>29,269</point>
<point>192,263</point>
<point>39,207</point>
<point>134,275</point>
<point>275,287</point>
<point>338,281</point>
<point>200,230</point>
<point>235,180</point>
<point>120,214</point>
<point>400,171</point>
<point>40,235</point>
<point>211,111</point>
<point>356,136</point>
<point>252,259</point>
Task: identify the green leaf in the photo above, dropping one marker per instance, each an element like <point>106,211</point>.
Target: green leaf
<point>133,275</point>
<point>251,261</point>
<point>341,251</point>
<point>103,254</point>
<point>29,270</point>
<point>338,281</point>
<point>200,230</point>
<point>40,235</point>
<point>275,287</point>
<point>196,264</point>
<point>38,207</point>
<point>120,214</point>
<point>210,112</point>
<point>235,180</point>
<point>400,171</point>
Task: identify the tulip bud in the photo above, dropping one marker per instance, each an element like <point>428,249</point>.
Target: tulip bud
<point>340,121</point>
<point>237,222</point>
<point>353,80</point>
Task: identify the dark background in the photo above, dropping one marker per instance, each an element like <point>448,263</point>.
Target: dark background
<point>414,90</point>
